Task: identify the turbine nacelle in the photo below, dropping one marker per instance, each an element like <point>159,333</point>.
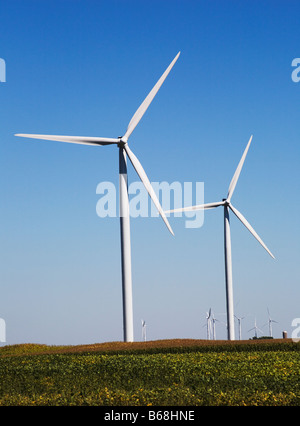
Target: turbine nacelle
<point>122,140</point>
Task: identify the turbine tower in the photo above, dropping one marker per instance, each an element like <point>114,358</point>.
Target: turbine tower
<point>226,203</point>
<point>124,151</point>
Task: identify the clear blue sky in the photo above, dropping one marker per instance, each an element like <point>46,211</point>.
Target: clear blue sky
<point>79,67</point>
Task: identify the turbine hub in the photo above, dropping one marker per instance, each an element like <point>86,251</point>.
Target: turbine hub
<point>122,141</point>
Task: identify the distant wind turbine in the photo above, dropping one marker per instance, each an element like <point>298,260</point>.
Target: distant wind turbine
<point>270,320</point>
<point>213,321</point>
<point>144,330</point>
<point>226,203</point>
<point>256,329</point>
<point>122,143</point>
<point>239,319</point>
<point>208,324</point>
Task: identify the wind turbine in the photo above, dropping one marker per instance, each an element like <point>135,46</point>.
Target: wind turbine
<point>226,203</point>
<point>256,328</point>
<point>270,320</point>
<point>124,151</point>
<point>208,324</point>
<point>213,320</point>
<point>239,319</point>
<point>144,330</point>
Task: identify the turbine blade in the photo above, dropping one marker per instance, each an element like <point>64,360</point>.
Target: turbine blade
<point>249,227</point>
<point>84,140</point>
<point>197,207</point>
<point>238,171</point>
<point>141,172</point>
<point>144,106</point>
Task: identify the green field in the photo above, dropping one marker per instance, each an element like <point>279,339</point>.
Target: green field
<point>173,373</point>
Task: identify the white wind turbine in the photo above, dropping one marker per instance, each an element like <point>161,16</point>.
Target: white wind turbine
<point>270,320</point>
<point>122,143</point>
<point>226,203</point>
<point>213,321</point>
<point>208,324</point>
<point>144,331</point>
<point>239,319</point>
<point>256,328</point>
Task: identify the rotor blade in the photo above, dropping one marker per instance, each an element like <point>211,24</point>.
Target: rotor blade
<point>85,140</point>
<point>197,207</point>
<point>237,172</point>
<point>141,172</point>
<point>144,106</point>
<point>249,227</point>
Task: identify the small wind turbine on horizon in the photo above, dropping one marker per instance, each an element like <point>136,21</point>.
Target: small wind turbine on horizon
<point>208,325</point>
<point>226,203</point>
<point>213,321</point>
<point>270,320</point>
<point>256,329</point>
<point>144,330</point>
<point>239,319</point>
<point>211,325</point>
<point>124,151</point>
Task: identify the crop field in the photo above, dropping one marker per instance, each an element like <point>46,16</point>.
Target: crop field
<point>161,373</point>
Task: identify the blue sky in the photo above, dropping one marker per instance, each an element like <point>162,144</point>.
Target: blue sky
<point>79,67</point>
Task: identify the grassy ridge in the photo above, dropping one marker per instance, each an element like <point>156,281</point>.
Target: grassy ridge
<point>180,372</point>
<point>156,346</point>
